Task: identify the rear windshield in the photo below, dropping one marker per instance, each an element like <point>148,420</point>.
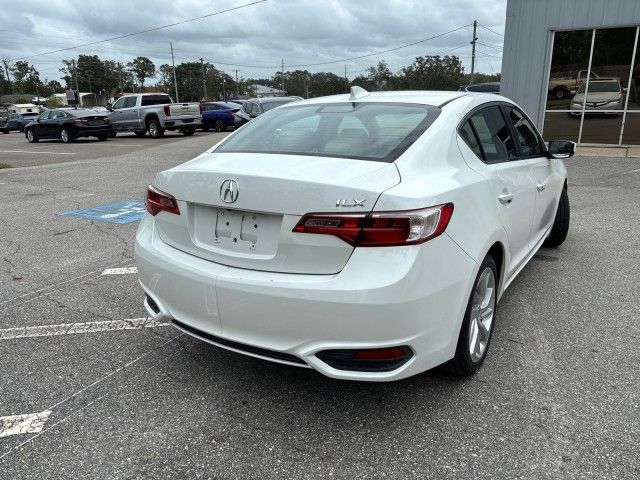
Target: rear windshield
<point>269,105</point>
<point>155,100</point>
<point>366,131</point>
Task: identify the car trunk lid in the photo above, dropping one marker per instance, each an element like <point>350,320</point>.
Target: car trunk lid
<point>239,209</point>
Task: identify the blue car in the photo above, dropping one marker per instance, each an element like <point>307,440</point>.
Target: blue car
<point>219,116</point>
<point>17,121</point>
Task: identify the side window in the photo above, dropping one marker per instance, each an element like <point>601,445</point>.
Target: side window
<point>469,136</point>
<point>44,116</point>
<point>527,137</point>
<point>493,135</point>
<point>119,103</point>
<point>130,101</point>
<point>256,109</point>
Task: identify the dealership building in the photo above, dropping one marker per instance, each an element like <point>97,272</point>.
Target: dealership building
<point>574,66</point>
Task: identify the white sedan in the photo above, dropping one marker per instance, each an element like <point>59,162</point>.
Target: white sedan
<point>368,236</point>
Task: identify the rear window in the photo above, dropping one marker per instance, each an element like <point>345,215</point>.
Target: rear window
<point>269,105</point>
<point>155,100</point>
<point>366,131</point>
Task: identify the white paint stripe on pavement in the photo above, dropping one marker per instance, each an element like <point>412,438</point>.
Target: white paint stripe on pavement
<point>27,423</point>
<point>75,328</point>
<point>120,271</point>
<point>37,151</point>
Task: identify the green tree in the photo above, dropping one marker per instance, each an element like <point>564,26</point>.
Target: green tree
<point>166,77</point>
<point>432,72</point>
<point>142,68</point>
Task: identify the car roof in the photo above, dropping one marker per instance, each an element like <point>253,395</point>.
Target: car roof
<point>426,97</point>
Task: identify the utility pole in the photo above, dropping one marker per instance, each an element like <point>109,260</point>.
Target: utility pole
<point>306,87</point>
<point>237,94</point>
<point>282,78</point>
<point>346,80</point>
<point>33,74</point>
<point>6,70</point>
<point>204,78</point>
<point>473,51</point>
<point>175,82</point>
<point>224,93</point>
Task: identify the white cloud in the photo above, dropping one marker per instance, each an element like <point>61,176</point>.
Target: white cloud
<point>298,31</point>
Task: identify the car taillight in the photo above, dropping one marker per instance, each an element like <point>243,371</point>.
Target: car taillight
<point>167,110</point>
<point>158,201</point>
<point>80,121</point>
<point>380,229</point>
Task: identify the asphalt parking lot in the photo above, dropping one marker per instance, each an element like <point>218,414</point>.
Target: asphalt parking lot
<point>91,390</point>
<point>15,151</point>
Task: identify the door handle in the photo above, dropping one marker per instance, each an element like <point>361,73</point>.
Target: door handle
<point>540,187</point>
<point>505,198</point>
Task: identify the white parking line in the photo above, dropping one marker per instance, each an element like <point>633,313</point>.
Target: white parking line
<point>36,151</point>
<point>27,423</point>
<point>76,328</point>
<point>120,271</point>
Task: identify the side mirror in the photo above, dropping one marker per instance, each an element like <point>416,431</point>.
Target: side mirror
<point>109,107</point>
<point>561,149</point>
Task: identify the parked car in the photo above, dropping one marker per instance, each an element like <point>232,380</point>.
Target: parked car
<point>219,115</point>
<point>257,106</point>
<point>154,113</point>
<point>604,95</point>
<point>368,236</point>
<point>17,121</point>
<point>68,124</point>
<point>562,87</point>
<point>488,87</point>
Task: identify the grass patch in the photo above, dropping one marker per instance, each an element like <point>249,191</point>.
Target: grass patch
<point>4,165</point>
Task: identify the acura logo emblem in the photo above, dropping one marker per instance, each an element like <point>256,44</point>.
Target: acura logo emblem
<point>229,191</point>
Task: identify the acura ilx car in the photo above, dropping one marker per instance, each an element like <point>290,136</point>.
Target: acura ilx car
<point>368,236</point>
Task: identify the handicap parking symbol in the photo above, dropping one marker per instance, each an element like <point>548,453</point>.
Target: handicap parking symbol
<point>127,211</point>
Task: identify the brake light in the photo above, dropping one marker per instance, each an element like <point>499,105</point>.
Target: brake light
<point>167,110</point>
<point>380,229</point>
<point>80,121</point>
<point>158,201</point>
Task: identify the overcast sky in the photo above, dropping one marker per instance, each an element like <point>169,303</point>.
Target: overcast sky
<point>298,31</point>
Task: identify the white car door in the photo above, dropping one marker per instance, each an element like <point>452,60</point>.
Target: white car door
<point>547,181</point>
<point>489,149</point>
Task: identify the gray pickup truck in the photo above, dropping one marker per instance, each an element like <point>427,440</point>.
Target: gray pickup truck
<point>154,113</point>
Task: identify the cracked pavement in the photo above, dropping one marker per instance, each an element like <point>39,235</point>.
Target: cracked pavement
<point>558,396</point>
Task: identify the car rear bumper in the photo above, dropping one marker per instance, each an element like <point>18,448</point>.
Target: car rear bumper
<point>384,297</point>
<point>183,122</point>
<point>93,131</point>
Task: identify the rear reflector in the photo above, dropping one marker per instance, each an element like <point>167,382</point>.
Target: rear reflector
<point>367,360</point>
<point>158,201</point>
<point>380,229</point>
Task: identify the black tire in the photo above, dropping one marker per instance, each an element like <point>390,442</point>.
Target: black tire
<point>205,127</point>
<point>65,135</point>
<point>154,128</point>
<point>20,127</point>
<point>188,131</point>
<point>560,93</point>
<point>140,133</point>
<point>219,126</point>
<point>30,135</point>
<point>113,134</point>
<point>560,227</point>
<point>463,364</point>
<point>102,138</point>
<point>5,131</point>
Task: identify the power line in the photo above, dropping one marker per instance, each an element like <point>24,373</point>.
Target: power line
<point>488,45</point>
<point>492,31</point>
<point>143,31</point>
<point>382,51</point>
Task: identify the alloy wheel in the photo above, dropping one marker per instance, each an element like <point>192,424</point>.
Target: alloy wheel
<point>219,126</point>
<point>30,136</point>
<point>482,312</point>
<point>64,135</point>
